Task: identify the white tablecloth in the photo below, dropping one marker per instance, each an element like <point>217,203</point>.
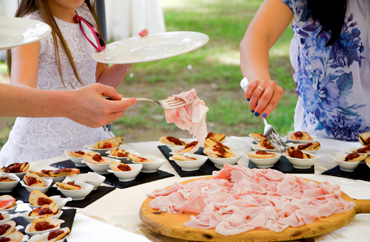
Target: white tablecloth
<point>121,207</point>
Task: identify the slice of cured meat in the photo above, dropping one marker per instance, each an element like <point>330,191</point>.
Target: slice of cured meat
<point>191,117</point>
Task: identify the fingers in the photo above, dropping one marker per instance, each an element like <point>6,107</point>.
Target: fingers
<point>255,95</point>
<point>254,92</point>
<point>251,87</point>
<point>263,97</point>
<point>110,112</point>
<point>109,91</point>
<point>275,99</point>
<point>116,110</point>
<point>263,102</point>
<point>129,102</point>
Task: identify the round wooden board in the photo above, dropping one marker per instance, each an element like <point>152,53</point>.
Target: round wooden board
<point>172,225</point>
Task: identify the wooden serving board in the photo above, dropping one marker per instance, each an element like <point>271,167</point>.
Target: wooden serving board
<point>172,225</point>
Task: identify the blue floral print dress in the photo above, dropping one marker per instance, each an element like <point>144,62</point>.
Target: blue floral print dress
<point>333,83</point>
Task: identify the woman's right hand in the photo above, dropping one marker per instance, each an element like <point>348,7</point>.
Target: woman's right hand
<point>87,105</point>
<point>263,96</point>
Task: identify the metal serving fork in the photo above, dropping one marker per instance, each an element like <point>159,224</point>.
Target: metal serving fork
<point>275,139</point>
<point>169,103</point>
<point>269,132</point>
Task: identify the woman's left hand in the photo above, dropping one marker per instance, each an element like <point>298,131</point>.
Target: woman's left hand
<point>113,75</point>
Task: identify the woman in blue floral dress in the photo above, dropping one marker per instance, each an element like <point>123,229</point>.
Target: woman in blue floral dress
<point>331,58</point>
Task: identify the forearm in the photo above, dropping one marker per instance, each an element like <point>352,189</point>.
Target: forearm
<point>254,56</point>
<point>85,105</point>
<point>113,75</point>
<point>267,26</point>
<point>30,102</point>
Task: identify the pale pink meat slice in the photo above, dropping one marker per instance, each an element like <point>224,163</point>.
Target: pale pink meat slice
<point>191,117</point>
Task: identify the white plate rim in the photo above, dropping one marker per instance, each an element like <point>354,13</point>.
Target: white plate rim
<point>349,150</point>
<point>299,141</point>
<point>125,56</point>
<point>35,30</point>
<point>255,147</point>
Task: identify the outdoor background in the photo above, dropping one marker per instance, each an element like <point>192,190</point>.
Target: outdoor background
<point>213,71</point>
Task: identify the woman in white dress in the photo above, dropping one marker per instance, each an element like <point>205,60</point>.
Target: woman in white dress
<point>58,62</point>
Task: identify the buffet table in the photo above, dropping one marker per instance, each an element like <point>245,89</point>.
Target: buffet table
<point>115,216</point>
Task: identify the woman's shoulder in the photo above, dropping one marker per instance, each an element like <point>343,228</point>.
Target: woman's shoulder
<point>294,3</point>
<point>298,7</point>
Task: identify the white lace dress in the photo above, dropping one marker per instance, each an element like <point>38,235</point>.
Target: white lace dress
<point>33,139</point>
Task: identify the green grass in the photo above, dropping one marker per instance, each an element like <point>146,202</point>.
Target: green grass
<point>216,66</point>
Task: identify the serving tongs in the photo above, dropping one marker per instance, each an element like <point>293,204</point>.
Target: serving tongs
<point>270,133</point>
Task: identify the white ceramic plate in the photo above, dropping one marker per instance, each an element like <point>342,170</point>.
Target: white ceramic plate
<point>77,194</point>
<point>19,174</point>
<point>99,168</point>
<point>12,209</point>
<point>255,139</point>
<point>266,162</point>
<point>149,167</point>
<point>29,233</point>
<point>182,139</point>
<point>238,144</point>
<point>9,186</point>
<point>77,160</point>
<point>19,31</point>
<point>299,141</point>
<point>220,162</point>
<point>303,163</point>
<point>44,237</point>
<point>191,165</point>
<point>126,176</point>
<point>297,144</point>
<point>124,159</point>
<point>48,182</point>
<point>348,166</point>
<point>151,47</point>
<point>177,149</point>
<point>351,149</point>
<point>257,147</point>
<point>91,178</point>
<point>29,219</point>
<point>99,151</point>
<point>7,217</point>
<point>367,163</point>
<point>153,166</point>
<point>60,201</point>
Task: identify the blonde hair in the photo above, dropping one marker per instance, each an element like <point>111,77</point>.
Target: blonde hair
<point>28,6</point>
